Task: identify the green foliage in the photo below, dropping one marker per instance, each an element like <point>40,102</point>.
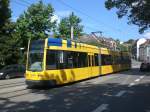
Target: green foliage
<point>8,54</point>
<point>65,26</point>
<point>130,44</point>
<point>138,11</point>
<point>35,23</point>
<point>121,47</point>
<point>5,13</point>
<point>130,41</point>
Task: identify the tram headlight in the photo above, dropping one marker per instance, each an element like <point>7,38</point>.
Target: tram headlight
<point>1,73</point>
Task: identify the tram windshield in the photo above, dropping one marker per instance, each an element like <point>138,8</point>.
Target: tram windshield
<point>35,55</point>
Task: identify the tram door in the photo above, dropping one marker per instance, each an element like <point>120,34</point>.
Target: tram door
<point>90,63</point>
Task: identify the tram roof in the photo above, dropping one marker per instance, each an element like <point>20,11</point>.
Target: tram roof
<point>73,43</point>
<point>59,42</point>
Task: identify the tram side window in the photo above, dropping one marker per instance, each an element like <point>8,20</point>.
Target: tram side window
<point>82,60</point>
<point>93,61</point>
<point>75,59</point>
<point>127,60</point>
<point>70,61</point>
<point>96,59</point>
<point>65,59</point>
<point>106,59</point>
<point>123,59</point>
<point>51,60</point>
<point>89,60</point>
<point>113,60</point>
<point>118,59</point>
<point>61,59</point>
<point>85,60</point>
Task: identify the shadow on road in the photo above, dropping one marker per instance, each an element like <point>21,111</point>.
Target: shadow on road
<point>135,71</point>
<point>84,98</point>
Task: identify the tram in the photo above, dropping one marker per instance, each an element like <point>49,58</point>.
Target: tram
<point>55,61</point>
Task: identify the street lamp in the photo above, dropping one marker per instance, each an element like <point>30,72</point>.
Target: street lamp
<point>21,54</point>
<point>22,48</point>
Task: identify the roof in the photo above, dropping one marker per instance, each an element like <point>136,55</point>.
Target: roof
<point>145,43</point>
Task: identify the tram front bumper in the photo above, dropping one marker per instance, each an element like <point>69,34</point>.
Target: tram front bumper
<point>41,82</point>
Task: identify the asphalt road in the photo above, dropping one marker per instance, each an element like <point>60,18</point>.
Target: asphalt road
<point>127,91</point>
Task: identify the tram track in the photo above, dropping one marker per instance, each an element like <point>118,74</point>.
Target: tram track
<point>12,85</point>
<point>11,81</point>
<point>16,88</point>
<point>20,92</point>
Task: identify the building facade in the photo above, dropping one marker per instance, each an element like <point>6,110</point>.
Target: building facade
<point>144,51</point>
<point>136,48</point>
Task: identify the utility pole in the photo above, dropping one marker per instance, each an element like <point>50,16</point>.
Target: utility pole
<point>72,32</point>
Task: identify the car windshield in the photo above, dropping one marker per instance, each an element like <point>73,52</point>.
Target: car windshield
<point>35,55</point>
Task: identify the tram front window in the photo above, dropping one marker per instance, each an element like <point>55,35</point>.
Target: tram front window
<point>35,62</point>
<point>35,55</point>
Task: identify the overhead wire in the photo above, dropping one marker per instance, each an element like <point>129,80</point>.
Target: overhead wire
<point>89,27</point>
<point>25,3</point>
<point>20,3</point>
<point>93,19</point>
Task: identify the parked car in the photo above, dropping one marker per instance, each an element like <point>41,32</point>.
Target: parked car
<point>12,71</point>
<point>145,67</point>
<point>148,66</point>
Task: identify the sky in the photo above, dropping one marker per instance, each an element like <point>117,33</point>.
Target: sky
<point>94,16</point>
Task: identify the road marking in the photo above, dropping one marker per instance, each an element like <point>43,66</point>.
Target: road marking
<point>101,108</point>
<point>137,80</point>
<point>141,77</point>
<point>100,80</point>
<point>120,93</point>
<point>131,84</point>
<point>125,81</point>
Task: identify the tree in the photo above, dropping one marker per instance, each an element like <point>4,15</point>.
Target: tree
<point>121,46</point>
<point>35,23</point>
<point>138,11</point>
<point>130,41</point>
<point>130,44</point>
<point>8,54</point>
<point>5,13</point>
<point>66,23</point>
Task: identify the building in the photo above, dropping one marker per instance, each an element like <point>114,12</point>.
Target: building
<point>136,46</point>
<point>101,41</point>
<point>144,51</point>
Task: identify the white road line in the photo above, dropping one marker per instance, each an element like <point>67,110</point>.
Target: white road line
<point>137,80</point>
<point>120,93</point>
<point>125,81</point>
<point>101,108</point>
<point>131,84</point>
<point>141,77</point>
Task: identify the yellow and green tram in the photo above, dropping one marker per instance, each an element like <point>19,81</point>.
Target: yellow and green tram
<point>55,61</point>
